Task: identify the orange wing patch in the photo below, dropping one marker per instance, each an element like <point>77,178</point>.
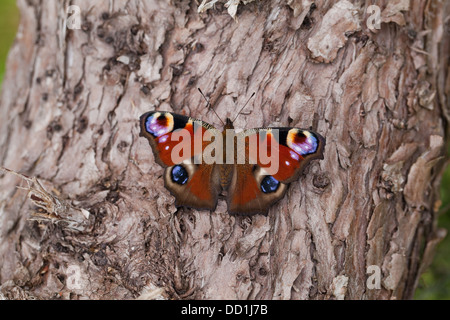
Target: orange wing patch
<point>245,187</point>
<point>200,183</point>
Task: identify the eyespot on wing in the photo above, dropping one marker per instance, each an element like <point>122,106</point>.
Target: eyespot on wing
<point>302,142</point>
<point>159,123</point>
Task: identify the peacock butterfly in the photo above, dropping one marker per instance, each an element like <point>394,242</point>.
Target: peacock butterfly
<point>251,169</point>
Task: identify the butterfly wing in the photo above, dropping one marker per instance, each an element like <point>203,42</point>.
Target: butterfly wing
<point>245,196</point>
<point>274,158</point>
<point>192,182</point>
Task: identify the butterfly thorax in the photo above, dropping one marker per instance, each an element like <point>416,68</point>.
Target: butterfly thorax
<point>226,170</point>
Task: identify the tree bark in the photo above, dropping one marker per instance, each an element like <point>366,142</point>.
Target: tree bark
<point>95,219</point>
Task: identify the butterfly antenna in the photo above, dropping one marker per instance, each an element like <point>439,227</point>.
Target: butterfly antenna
<point>208,105</point>
<point>244,106</point>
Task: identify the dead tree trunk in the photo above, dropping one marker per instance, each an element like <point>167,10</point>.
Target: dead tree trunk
<point>360,224</point>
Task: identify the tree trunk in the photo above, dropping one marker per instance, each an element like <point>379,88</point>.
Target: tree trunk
<point>360,224</point>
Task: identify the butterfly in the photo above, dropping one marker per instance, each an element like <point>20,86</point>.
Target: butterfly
<point>205,168</point>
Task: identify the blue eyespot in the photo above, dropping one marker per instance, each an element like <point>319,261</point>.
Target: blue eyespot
<point>179,175</point>
<point>269,184</point>
<point>158,124</point>
<point>309,146</point>
<point>302,142</point>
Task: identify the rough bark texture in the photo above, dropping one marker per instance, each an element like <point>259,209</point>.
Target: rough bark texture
<point>105,226</point>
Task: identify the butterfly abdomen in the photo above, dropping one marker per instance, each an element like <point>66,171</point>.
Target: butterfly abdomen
<point>225,175</point>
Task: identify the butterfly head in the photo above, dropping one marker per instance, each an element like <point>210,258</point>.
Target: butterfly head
<point>228,124</point>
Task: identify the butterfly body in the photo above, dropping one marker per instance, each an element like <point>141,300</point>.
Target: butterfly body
<point>227,164</point>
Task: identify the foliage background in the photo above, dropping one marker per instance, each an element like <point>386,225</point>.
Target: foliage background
<point>435,282</point>
<point>9,19</point>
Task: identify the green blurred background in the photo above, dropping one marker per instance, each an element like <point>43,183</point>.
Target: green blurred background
<point>435,282</point>
<point>9,19</point>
